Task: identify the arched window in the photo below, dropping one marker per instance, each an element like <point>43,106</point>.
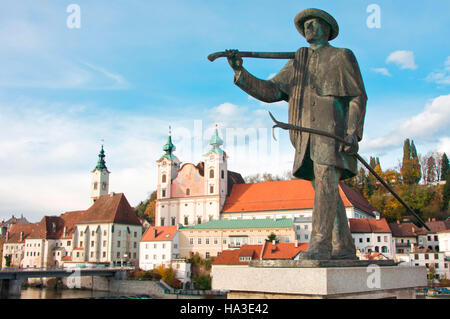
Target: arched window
<point>173,221</point>
<point>377,249</point>
<point>199,220</point>
<point>188,192</point>
<point>211,189</point>
<point>384,249</point>
<point>186,220</point>
<point>211,173</point>
<point>164,178</point>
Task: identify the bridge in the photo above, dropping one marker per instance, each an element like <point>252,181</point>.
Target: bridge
<point>10,278</point>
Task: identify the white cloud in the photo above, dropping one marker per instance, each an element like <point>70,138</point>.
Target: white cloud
<point>444,145</point>
<point>403,59</point>
<point>382,71</point>
<point>441,76</point>
<point>430,124</point>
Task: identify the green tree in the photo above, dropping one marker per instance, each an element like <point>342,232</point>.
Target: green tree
<point>431,169</point>
<point>410,170</point>
<point>444,167</point>
<point>271,237</point>
<point>8,260</point>
<point>446,192</point>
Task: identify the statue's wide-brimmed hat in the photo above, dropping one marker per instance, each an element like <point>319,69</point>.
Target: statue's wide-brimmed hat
<point>307,14</point>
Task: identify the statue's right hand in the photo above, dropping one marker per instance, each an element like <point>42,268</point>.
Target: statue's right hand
<point>234,59</point>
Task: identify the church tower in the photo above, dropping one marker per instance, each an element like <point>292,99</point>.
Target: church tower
<point>216,171</point>
<point>100,178</point>
<point>168,166</point>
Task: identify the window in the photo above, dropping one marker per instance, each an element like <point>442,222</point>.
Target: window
<point>360,240</point>
<point>68,243</point>
<point>163,193</point>
<point>224,241</point>
<point>297,227</point>
<point>385,239</point>
<point>211,173</point>
<point>92,254</point>
<point>104,254</point>
<point>306,227</point>
<point>81,234</point>
<point>135,245</point>
<point>188,191</point>
<point>215,241</point>
<point>211,189</point>
<point>104,233</point>
<point>436,256</point>
<point>135,234</point>
<point>78,254</point>
<point>162,221</point>
<point>118,255</point>
<point>134,255</point>
<point>286,240</point>
<point>378,238</point>
<point>163,246</point>
<point>199,220</point>
<point>81,244</point>
<point>259,240</point>
<point>118,243</point>
<point>368,240</point>
<point>154,257</point>
<point>95,186</point>
<point>306,236</point>
<point>436,238</point>
<point>104,243</point>
<point>154,246</point>
<point>223,174</point>
<point>191,241</point>
<point>163,257</point>
<point>92,233</point>
<point>164,178</point>
<point>199,240</point>
<point>185,220</point>
<point>173,221</point>
<point>92,243</point>
<point>426,256</point>
<point>207,241</point>
<point>416,256</point>
<point>207,255</point>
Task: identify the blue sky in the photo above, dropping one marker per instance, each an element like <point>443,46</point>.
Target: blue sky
<point>135,67</point>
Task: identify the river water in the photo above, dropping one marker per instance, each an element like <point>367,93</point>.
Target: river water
<point>50,293</point>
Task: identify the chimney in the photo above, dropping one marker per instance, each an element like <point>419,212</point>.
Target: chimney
<point>7,235</point>
<point>296,244</point>
<point>21,235</point>
<point>65,231</point>
<point>273,242</point>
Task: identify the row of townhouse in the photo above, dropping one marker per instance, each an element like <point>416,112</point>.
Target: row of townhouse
<point>108,232</point>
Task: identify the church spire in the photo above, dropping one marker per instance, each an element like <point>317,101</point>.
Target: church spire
<point>169,148</point>
<point>101,160</point>
<point>216,141</point>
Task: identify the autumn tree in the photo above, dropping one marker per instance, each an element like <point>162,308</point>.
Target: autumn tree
<point>411,169</point>
<point>446,192</point>
<point>431,169</point>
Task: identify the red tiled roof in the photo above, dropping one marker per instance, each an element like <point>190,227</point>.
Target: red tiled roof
<point>66,258</point>
<point>231,257</point>
<point>163,233</point>
<point>368,225</point>
<point>437,226</point>
<point>283,250</point>
<point>279,251</point>
<point>405,230</point>
<point>284,195</point>
<point>113,208</point>
<point>15,230</point>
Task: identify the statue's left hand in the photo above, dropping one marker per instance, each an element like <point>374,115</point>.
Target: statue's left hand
<point>350,149</point>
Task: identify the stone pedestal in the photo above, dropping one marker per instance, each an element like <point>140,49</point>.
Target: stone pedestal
<point>281,279</point>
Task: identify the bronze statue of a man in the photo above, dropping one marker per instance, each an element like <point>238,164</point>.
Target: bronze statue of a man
<point>325,91</point>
